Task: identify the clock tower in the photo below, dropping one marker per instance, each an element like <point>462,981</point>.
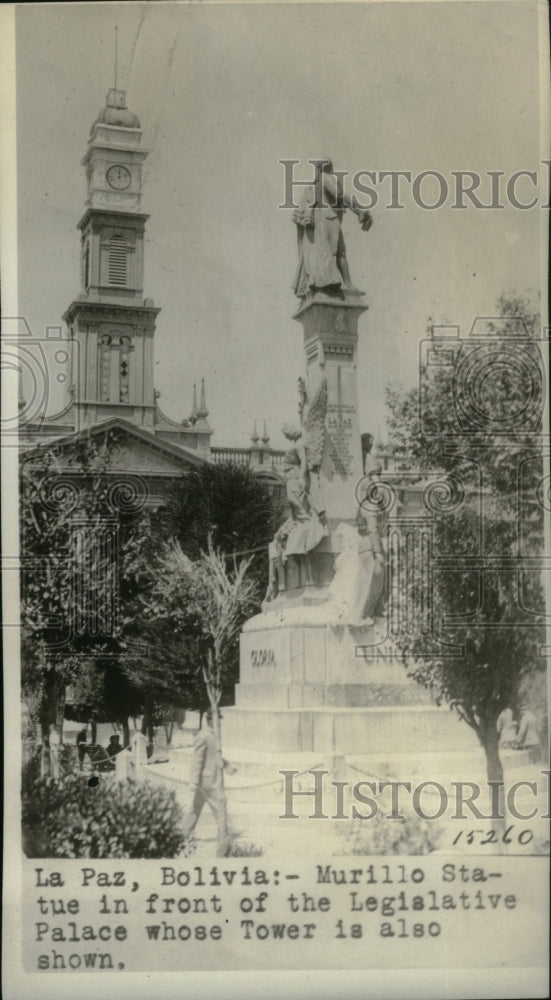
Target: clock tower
<point>111,323</point>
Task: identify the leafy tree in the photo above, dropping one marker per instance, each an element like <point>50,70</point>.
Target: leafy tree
<point>205,604</point>
<point>222,508</point>
<point>103,691</point>
<point>478,424</point>
<point>229,505</point>
<point>70,569</point>
<point>87,569</point>
<point>152,657</point>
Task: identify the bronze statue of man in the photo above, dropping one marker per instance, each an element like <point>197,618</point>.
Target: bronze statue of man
<point>322,264</point>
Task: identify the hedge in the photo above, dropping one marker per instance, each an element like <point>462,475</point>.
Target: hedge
<point>70,818</point>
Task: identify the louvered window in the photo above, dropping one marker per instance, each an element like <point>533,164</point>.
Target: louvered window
<point>117,261</point>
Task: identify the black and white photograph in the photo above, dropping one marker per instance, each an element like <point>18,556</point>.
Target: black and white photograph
<point>276,543</point>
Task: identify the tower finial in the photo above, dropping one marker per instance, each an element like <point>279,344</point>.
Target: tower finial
<point>193,416</point>
<point>202,412</point>
<point>254,435</point>
<point>265,435</point>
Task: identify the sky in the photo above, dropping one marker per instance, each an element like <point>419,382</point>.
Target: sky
<point>224,92</point>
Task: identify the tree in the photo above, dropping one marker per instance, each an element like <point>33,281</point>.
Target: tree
<point>104,691</point>
<point>479,427</point>
<point>152,658</point>
<point>222,508</point>
<point>70,528</point>
<point>205,604</point>
<point>229,505</point>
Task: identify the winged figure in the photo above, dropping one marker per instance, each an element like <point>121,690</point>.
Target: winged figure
<point>306,525</point>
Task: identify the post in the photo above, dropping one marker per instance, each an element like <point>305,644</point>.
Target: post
<point>139,754</point>
<point>122,761</point>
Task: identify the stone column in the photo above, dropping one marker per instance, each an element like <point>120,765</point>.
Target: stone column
<point>330,327</point>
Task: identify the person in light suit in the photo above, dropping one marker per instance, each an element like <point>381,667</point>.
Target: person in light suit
<point>206,784</point>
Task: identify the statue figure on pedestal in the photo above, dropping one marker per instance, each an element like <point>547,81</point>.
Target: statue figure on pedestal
<point>369,603</point>
<point>306,525</point>
<point>322,264</point>
<point>356,594</point>
<point>370,598</point>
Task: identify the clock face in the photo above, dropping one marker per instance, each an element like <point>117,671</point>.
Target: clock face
<point>118,177</point>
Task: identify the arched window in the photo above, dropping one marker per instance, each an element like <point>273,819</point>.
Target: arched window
<point>117,261</point>
<point>124,370</point>
<point>105,367</point>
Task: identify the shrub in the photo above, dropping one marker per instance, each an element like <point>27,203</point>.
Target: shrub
<point>245,851</point>
<point>30,772</point>
<point>70,818</point>
<point>380,835</point>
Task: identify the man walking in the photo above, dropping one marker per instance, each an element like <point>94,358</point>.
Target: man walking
<point>206,784</point>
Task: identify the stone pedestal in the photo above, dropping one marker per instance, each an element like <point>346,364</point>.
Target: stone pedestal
<point>305,686</point>
<point>330,331</point>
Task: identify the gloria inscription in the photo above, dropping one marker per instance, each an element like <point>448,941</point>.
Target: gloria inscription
<point>263,658</point>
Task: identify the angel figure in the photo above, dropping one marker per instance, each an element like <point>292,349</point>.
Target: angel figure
<point>306,525</point>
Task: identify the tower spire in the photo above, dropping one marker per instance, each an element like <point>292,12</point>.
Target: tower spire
<point>194,407</point>
<point>202,412</point>
<point>254,435</point>
<point>116,52</point>
<point>265,435</point>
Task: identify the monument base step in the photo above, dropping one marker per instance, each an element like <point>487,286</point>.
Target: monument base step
<point>363,695</point>
<point>253,770</point>
<point>337,730</point>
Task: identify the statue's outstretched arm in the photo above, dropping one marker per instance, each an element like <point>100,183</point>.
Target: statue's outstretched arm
<point>335,192</point>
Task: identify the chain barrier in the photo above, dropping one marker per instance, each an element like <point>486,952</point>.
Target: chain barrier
<point>259,784</point>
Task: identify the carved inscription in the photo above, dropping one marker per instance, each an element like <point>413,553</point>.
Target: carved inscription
<point>340,428</point>
<point>263,658</point>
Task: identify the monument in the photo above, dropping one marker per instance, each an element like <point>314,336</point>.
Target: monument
<point>305,686</point>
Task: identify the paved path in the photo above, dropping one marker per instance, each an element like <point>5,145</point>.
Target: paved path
<point>256,802</point>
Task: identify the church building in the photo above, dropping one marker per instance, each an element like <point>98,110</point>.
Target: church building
<point>111,333</point>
